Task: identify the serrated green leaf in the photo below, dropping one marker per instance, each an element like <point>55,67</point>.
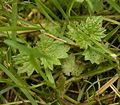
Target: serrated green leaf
<point>27,67</point>
<point>55,50</point>
<point>93,55</point>
<point>23,64</point>
<point>88,35</point>
<point>84,33</point>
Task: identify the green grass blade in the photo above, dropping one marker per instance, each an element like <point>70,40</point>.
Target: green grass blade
<point>50,77</point>
<point>37,67</point>
<point>6,89</point>
<point>17,80</point>
<point>29,51</point>
<point>90,5</point>
<point>16,45</point>
<point>111,20</point>
<point>3,99</point>
<point>114,5</point>
<point>70,5</point>
<point>70,99</point>
<point>57,4</point>
<point>111,33</point>
<point>18,28</point>
<point>14,18</point>
<point>40,6</point>
<point>100,70</point>
<point>49,12</point>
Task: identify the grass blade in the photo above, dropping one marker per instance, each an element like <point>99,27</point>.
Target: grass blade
<point>56,3</point>
<point>100,70</point>
<point>114,5</point>
<point>112,21</point>
<point>41,7</point>
<point>49,12</point>
<point>16,45</point>
<point>90,5</point>
<point>19,83</point>
<point>6,89</point>
<point>110,34</point>
<point>14,18</point>
<point>18,28</point>
<point>37,67</point>
<point>70,5</point>
<point>50,77</point>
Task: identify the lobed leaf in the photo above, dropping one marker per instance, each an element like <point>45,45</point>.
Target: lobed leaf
<point>54,50</point>
<point>93,55</point>
<point>87,31</point>
<point>87,35</point>
<point>23,64</point>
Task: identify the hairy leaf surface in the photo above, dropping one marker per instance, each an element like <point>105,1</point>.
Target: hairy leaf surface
<point>87,31</point>
<point>86,34</point>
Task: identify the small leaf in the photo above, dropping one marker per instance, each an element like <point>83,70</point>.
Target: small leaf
<point>54,50</point>
<point>23,64</point>
<point>27,67</point>
<point>79,69</point>
<point>93,55</point>
<point>70,67</point>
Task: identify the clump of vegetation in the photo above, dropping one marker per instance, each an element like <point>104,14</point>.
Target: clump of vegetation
<point>59,52</point>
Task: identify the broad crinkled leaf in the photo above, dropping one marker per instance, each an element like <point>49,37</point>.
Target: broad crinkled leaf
<point>23,64</point>
<point>54,50</point>
<point>87,35</point>
<point>85,32</point>
<point>93,55</point>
